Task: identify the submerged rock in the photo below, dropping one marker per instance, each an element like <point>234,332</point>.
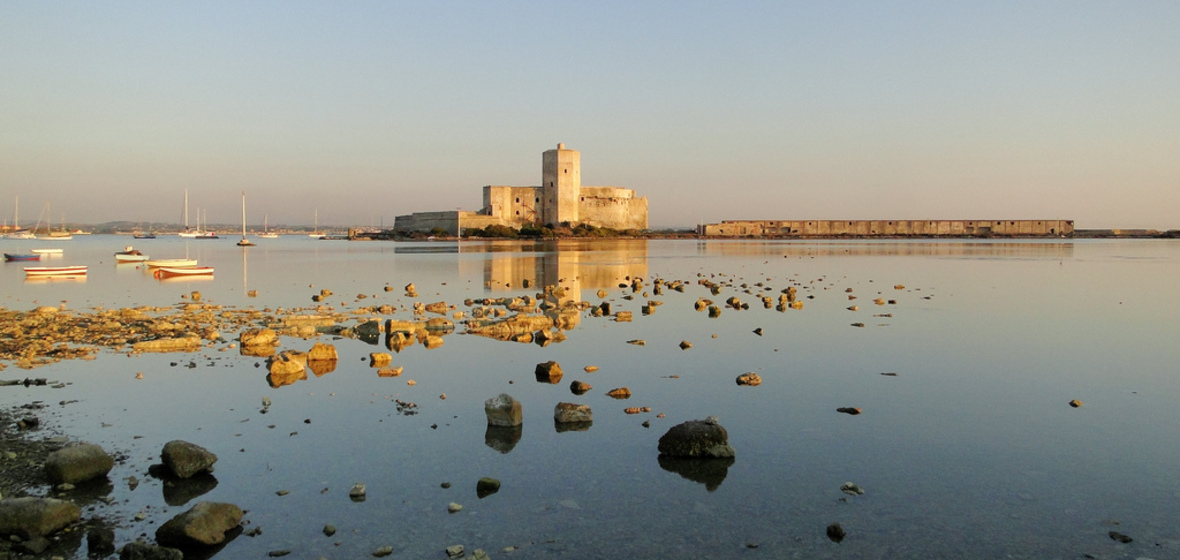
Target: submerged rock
<point>140,550</point>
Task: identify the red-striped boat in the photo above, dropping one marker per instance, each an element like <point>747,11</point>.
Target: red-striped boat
<point>174,271</point>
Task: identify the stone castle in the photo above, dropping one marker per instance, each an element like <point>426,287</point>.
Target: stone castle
<point>561,198</point>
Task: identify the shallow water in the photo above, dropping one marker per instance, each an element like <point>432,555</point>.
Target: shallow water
<point>970,451</point>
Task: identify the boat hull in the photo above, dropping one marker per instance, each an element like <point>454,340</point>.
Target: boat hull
<point>55,270</point>
<point>172,271</point>
<point>12,257</point>
<point>171,262</point>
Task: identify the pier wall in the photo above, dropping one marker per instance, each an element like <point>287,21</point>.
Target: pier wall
<point>888,228</point>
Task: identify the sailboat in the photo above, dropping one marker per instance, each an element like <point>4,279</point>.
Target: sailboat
<point>315,234</point>
<point>266,234</point>
<point>244,242</point>
<point>197,233</point>
<point>17,232</point>
<point>51,235</point>
<point>188,232</point>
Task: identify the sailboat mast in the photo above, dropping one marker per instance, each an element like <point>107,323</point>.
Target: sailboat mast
<point>243,214</point>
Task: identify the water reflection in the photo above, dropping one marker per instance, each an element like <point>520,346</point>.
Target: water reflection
<point>503,438</point>
<point>180,491</point>
<point>710,472</point>
<point>572,266</point>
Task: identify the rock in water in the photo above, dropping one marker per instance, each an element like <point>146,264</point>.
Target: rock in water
<point>696,438</point>
<point>1117,536</point>
<point>835,532</point>
<point>205,524</point>
<point>140,550</point>
<point>749,379</point>
<point>548,372</point>
<point>78,463</point>
<point>486,486</point>
<point>321,352</point>
<point>569,412</point>
<point>619,393</point>
<point>185,459</point>
<point>30,518</point>
<point>258,337</point>
<point>503,410</point>
<point>289,362</point>
<point>1075,403</point>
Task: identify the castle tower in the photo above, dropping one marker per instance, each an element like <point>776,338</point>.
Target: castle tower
<point>561,183</point>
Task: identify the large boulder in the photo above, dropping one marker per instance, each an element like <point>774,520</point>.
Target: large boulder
<point>258,337</point>
<point>287,363</point>
<point>30,518</point>
<point>322,352</point>
<point>186,459</point>
<point>696,438</point>
<point>569,412</point>
<point>78,463</point>
<point>503,410</point>
<point>139,550</point>
<point>205,524</point>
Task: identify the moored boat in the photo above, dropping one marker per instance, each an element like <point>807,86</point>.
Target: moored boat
<point>130,254</point>
<point>55,270</point>
<point>173,271</point>
<point>176,263</point>
<point>20,257</point>
<point>47,251</point>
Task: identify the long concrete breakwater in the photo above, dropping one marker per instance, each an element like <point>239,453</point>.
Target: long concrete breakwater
<point>887,228</point>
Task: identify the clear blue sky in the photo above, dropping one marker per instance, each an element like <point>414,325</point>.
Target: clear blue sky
<point>772,110</point>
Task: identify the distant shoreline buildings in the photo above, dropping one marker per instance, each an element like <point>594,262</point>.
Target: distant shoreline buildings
<point>560,199</point>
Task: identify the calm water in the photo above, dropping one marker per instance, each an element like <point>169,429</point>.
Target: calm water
<point>970,451</point>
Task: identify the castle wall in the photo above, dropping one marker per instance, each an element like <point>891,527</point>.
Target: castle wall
<point>900,228</point>
<point>513,206</point>
<point>425,221</point>
<point>612,207</point>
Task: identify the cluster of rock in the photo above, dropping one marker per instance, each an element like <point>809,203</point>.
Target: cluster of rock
<point>29,521</point>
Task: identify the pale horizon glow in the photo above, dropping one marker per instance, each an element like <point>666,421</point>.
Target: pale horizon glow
<point>900,110</point>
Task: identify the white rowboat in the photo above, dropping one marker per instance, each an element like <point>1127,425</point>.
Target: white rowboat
<point>178,263</point>
<point>55,270</point>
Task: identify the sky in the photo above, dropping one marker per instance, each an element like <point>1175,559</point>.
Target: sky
<point>361,111</point>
